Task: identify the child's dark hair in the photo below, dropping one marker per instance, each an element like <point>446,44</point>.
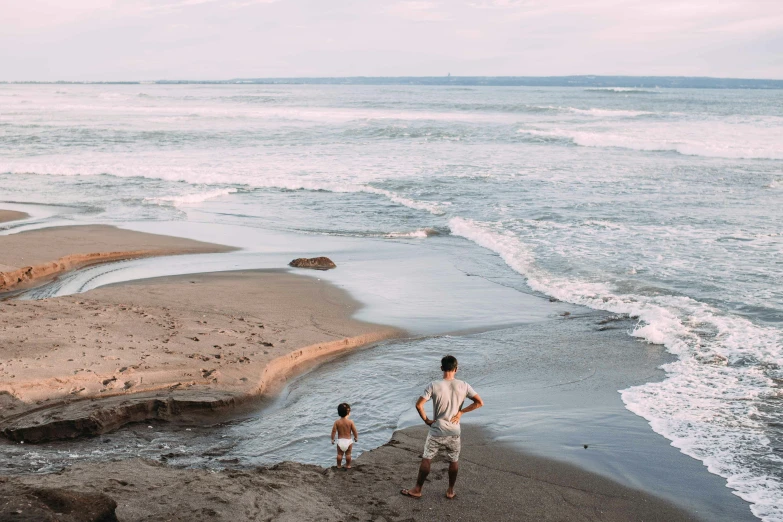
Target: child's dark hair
<point>344,409</point>
<point>448,363</point>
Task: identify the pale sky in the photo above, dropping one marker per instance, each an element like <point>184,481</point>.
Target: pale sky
<point>223,39</point>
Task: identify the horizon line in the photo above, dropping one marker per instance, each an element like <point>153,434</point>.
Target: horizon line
<point>582,80</point>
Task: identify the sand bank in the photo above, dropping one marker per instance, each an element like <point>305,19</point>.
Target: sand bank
<point>496,483</point>
<point>12,215</point>
<point>27,258</point>
<point>159,348</point>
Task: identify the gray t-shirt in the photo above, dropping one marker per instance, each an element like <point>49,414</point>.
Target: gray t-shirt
<point>447,398</point>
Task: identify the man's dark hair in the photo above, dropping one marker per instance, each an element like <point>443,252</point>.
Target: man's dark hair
<point>448,363</point>
<point>344,409</point>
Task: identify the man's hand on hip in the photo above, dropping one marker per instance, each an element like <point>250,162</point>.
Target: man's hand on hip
<point>455,418</point>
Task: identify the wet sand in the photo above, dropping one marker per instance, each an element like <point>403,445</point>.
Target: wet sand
<point>12,215</point>
<point>496,482</point>
<point>31,257</point>
<point>205,342</point>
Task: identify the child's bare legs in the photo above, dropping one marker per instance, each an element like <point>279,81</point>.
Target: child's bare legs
<point>348,457</point>
<point>340,457</point>
<point>453,469</point>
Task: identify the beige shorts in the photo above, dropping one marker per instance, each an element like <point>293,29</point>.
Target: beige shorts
<point>451,445</point>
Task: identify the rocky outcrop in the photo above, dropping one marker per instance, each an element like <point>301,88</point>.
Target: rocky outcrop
<point>315,263</point>
<point>20,503</point>
<point>90,418</point>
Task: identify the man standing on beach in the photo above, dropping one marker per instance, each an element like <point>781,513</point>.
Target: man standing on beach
<point>448,396</point>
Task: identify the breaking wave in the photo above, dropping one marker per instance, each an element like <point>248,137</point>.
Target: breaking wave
<point>207,177</point>
<point>622,90</point>
<point>616,113</point>
<point>422,233</point>
<point>764,148</point>
<point>716,399</point>
<point>192,199</point>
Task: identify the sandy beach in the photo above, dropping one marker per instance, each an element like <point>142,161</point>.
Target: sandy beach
<point>12,215</point>
<point>31,257</point>
<point>208,340</point>
<point>496,483</point>
<point>175,345</point>
<point>202,348</point>
<point>164,348</point>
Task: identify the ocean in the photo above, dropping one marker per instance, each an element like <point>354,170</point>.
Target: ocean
<point>661,206</point>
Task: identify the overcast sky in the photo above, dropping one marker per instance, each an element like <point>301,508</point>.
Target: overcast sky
<point>222,39</point>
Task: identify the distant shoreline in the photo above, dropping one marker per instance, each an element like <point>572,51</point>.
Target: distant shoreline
<point>595,81</point>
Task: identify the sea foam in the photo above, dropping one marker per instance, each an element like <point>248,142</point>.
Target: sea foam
<point>710,403</point>
<point>610,113</point>
<point>422,233</point>
<point>208,176</point>
<point>192,199</point>
<point>621,90</point>
<point>725,145</point>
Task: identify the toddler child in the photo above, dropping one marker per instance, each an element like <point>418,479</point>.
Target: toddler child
<point>344,428</point>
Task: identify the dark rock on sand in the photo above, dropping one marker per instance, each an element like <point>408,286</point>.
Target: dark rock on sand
<point>22,503</point>
<point>316,263</point>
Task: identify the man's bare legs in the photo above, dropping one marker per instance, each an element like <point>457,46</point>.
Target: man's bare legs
<point>424,470</point>
<point>348,457</point>
<point>453,469</point>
